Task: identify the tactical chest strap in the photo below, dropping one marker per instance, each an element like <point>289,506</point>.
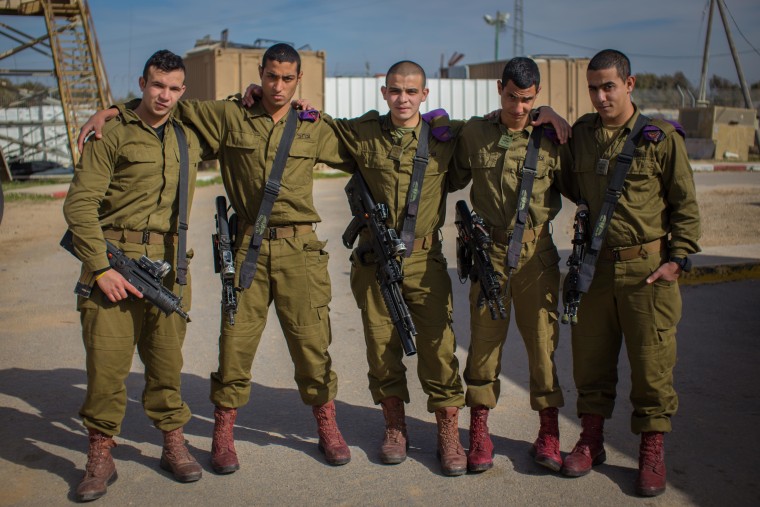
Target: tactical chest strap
<point>271,190</point>
<point>415,189</point>
<point>611,197</point>
<point>184,176</point>
<point>523,198</point>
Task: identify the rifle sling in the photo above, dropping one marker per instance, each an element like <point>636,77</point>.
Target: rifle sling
<point>271,191</point>
<point>415,189</point>
<point>182,225</point>
<point>611,197</point>
<point>524,196</point>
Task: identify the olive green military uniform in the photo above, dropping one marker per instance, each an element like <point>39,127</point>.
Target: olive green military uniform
<point>292,265</point>
<point>426,286</point>
<point>496,173</point>
<point>128,182</point>
<point>658,206</point>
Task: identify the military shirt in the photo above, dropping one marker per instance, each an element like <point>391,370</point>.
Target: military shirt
<point>496,173</point>
<point>127,180</point>
<point>369,140</point>
<point>246,141</point>
<point>658,197</point>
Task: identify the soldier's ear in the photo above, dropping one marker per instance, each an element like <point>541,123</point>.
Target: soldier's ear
<point>141,81</point>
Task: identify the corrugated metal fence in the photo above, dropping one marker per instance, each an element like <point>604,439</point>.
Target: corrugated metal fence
<point>348,97</point>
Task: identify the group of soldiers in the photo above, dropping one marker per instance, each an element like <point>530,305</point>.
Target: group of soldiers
<point>128,188</point>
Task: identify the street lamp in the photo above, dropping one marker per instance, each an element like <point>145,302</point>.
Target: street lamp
<point>499,22</point>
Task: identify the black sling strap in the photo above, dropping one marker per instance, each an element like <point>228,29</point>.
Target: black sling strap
<point>184,176</point>
<point>523,198</point>
<point>611,197</point>
<point>271,190</point>
<point>415,188</point>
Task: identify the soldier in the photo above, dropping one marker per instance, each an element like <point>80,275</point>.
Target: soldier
<point>634,292</point>
<point>384,146</point>
<point>125,189</point>
<point>492,152</point>
<point>291,269</point>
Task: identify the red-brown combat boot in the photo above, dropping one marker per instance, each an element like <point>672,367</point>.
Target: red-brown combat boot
<point>100,471</point>
<point>545,450</point>
<point>224,458</point>
<point>480,457</point>
<point>589,450</point>
<point>450,450</point>
<point>176,459</point>
<point>395,442</point>
<point>651,479</point>
<point>331,442</point>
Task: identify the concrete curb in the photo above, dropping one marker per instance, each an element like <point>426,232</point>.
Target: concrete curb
<point>719,273</point>
<point>723,167</point>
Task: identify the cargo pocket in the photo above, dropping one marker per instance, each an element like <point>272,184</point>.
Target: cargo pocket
<point>316,271</point>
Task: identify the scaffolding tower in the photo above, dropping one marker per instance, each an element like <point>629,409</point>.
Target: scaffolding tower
<point>73,47</point>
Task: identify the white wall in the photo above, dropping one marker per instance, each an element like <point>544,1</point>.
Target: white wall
<point>348,97</point>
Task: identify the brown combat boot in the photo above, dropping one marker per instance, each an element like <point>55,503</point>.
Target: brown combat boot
<point>480,457</point>
<point>589,450</point>
<point>224,458</point>
<point>396,442</point>
<point>176,459</point>
<point>545,450</point>
<point>450,450</point>
<point>100,471</point>
<point>651,479</point>
<point>331,442</point>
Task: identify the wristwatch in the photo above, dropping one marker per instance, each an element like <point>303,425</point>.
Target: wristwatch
<point>683,262</point>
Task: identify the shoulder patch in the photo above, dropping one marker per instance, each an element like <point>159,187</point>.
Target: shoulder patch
<point>440,126</point>
<point>310,115</point>
<point>657,130</point>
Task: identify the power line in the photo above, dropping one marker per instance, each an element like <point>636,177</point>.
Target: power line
<point>739,29</point>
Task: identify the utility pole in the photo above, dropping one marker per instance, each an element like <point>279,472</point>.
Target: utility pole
<point>517,35</point>
<point>737,63</point>
<point>702,100</point>
<point>499,22</point>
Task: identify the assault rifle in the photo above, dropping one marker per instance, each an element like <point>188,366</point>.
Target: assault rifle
<point>144,274</point>
<point>224,260</point>
<point>473,242</point>
<point>571,296</point>
<point>387,248</point>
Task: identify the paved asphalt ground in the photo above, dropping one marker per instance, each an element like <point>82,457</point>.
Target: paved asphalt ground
<point>711,454</point>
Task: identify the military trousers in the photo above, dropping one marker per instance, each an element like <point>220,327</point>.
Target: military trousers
<point>292,274</point>
<point>533,294</point>
<point>427,291</point>
<point>112,331</point>
<point>621,305</point>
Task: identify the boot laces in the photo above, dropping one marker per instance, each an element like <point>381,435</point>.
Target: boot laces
<point>651,453</point>
<point>96,454</point>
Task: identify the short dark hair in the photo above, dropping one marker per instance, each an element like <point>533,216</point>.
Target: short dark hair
<point>282,52</point>
<point>609,58</point>
<point>523,72</point>
<point>407,68</point>
<point>163,60</point>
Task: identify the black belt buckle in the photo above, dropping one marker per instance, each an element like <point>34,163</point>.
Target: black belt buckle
<point>616,255</point>
<point>272,233</point>
<point>146,237</point>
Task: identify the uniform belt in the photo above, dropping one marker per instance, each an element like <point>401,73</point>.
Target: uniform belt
<point>283,231</point>
<point>141,237</point>
<point>503,236</point>
<point>633,252</point>
<point>427,241</point>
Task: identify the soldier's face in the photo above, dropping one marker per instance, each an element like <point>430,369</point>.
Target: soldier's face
<point>611,95</point>
<point>161,91</point>
<point>404,94</point>
<point>278,82</point>
<point>516,104</point>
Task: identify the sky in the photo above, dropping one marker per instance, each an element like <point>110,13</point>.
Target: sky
<point>365,37</point>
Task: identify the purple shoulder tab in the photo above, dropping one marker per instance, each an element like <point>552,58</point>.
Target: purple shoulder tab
<point>440,128</point>
<point>679,128</point>
<point>655,134</point>
<point>551,135</point>
<point>311,115</point>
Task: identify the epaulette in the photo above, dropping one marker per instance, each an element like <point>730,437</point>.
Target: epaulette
<point>440,126</point>
<point>551,134</point>
<point>658,129</point>
<point>369,116</point>
<point>310,115</point>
